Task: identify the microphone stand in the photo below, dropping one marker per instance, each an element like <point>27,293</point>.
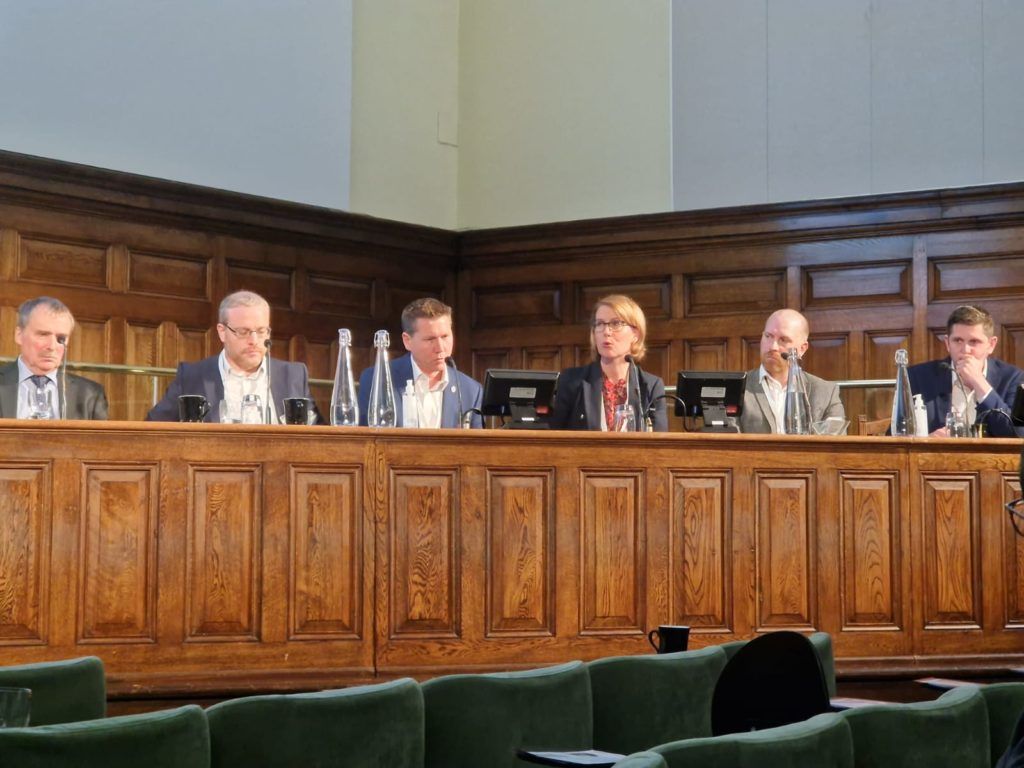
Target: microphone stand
<point>270,392</point>
<point>634,371</point>
<point>960,383</point>
<point>462,420</point>
<point>63,387</point>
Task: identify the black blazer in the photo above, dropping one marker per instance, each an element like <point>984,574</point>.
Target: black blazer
<point>203,378</point>
<point>85,398</point>
<point>935,385</point>
<point>579,405</point>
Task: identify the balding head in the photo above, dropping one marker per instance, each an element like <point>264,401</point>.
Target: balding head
<point>785,329</point>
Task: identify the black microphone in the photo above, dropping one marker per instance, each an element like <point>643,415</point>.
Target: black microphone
<point>465,419</point>
<point>959,381</point>
<point>270,392</point>
<point>635,374</point>
<point>63,341</point>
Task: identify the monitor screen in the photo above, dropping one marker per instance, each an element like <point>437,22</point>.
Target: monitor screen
<point>525,396</point>
<point>714,395</point>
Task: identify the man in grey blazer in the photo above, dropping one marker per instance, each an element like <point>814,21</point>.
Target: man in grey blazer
<point>765,396</point>
<point>33,386</point>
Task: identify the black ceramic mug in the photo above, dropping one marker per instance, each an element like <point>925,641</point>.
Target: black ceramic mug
<point>192,408</point>
<point>297,410</point>
<point>671,638</point>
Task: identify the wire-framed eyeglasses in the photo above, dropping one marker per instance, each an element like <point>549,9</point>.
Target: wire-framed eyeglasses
<point>1016,510</point>
<point>245,333</point>
<point>615,326</point>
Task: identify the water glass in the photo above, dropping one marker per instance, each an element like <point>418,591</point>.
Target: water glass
<point>15,706</point>
<point>956,424</point>
<point>252,409</point>
<point>625,419</point>
<point>41,404</point>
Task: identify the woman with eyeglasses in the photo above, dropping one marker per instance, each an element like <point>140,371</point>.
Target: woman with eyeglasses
<point>600,396</point>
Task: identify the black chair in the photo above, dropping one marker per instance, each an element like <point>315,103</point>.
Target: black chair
<point>775,679</point>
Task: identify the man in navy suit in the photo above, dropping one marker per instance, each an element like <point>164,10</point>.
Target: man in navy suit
<point>239,370</point>
<point>989,386</point>
<point>443,395</point>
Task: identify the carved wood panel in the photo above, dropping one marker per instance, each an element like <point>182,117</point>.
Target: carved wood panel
<point>952,595</point>
<point>521,557</point>
<point>483,359</point>
<point>542,359</point>
<point>24,553</point>
<point>870,535</point>
<point>529,305</point>
<point>613,553</point>
<point>974,279</point>
<point>63,262</point>
<point>424,570</point>
<point>118,578</point>
<point>861,284</point>
<point>167,275</point>
<point>786,549</point>
<point>654,297</point>
<point>700,567</point>
<point>223,573</point>
<point>761,292</point>
<point>1013,560</point>
<point>704,355</point>
<point>326,557</point>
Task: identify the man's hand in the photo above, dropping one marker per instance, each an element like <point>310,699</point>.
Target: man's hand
<point>940,432</point>
<point>970,370</point>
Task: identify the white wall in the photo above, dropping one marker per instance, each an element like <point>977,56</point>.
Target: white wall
<point>405,110</point>
<point>563,110</point>
<point>246,95</point>
<point>777,100</point>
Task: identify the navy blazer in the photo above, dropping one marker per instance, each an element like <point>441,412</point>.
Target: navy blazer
<point>203,378</point>
<point>461,394</point>
<point>935,384</point>
<point>579,402</point>
<point>85,398</point>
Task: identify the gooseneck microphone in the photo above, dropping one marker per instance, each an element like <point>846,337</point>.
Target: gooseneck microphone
<point>465,418</point>
<point>634,373</point>
<point>959,381</point>
<point>63,387</point>
<point>270,392</point>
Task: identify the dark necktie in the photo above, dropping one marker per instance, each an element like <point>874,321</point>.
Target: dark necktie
<point>39,380</point>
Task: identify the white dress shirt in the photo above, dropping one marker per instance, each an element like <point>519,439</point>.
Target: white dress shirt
<point>956,401</point>
<point>237,385</point>
<point>27,391</point>
<point>776,394</point>
<point>429,399</point>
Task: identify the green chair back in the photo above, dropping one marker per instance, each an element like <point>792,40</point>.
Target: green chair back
<point>62,691</point>
<point>373,725</point>
<point>1005,705</point>
<point>641,701</point>
<point>822,742</point>
<point>951,730</point>
<point>176,738</point>
<point>642,760</point>
<point>482,720</point>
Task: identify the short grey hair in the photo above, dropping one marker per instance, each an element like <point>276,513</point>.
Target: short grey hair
<point>239,299</point>
<point>56,306</point>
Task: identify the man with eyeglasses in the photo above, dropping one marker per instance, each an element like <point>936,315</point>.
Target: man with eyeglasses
<point>239,370</point>
<point>969,382</point>
<point>764,400</point>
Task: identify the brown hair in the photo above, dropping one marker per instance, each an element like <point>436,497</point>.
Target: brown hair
<point>968,314</point>
<point>428,309</point>
<point>628,310</point>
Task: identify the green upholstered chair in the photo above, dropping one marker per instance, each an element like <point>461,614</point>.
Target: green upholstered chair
<point>641,701</point>
<point>372,725</point>
<point>175,738</point>
<point>822,642</point>
<point>1005,705</point>
<point>642,760</point>
<point>62,691</point>
<point>482,720</point>
<point>821,742</point>
<point>951,730</point>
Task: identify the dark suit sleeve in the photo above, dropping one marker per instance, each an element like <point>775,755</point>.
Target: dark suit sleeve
<point>97,408</point>
<point>303,389</point>
<point>365,382</point>
<point>167,408</point>
<point>476,400</point>
<point>835,405</point>
<point>994,411</point>
<point>565,401</point>
<point>660,420</point>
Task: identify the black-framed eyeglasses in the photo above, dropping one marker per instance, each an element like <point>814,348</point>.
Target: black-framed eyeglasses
<point>245,333</point>
<point>615,326</point>
<point>1016,510</point>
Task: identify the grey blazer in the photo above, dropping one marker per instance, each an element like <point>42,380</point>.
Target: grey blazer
<point>757,416</point>
<point>85,398</point>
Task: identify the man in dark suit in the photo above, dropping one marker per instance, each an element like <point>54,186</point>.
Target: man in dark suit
<point>443,395</point>
<point>239,370</point>
<point>988,385</point>
<point>765,395</point>
<point>33,386</point>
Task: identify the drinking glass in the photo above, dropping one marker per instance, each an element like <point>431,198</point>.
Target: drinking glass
<point>252,409</point>
<point>625,419</point>
<point>41,404</point>
<point>224,414</point>
<point>956,424</point>
<point>15,706</point>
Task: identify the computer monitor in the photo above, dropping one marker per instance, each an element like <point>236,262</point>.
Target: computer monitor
<point>525,396</point>
<point>715,395</point>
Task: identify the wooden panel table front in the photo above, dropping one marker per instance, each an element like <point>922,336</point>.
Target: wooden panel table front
<point>207,559</point>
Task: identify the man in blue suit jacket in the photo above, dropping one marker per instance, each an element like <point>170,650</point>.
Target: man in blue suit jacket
<point>443,395</point>
<point>240,369</point>
<point>990,385</point>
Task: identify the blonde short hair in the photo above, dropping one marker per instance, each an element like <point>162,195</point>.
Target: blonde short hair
<point>628,310</point>
<point>239,299</point>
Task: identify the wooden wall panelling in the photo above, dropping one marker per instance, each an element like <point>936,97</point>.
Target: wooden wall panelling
<point>1011,563</point>
<point>879,363</point>
<point>711,294</point>
<point>860,285</point>
<point>534,305</point>
<point>654,297</point>
<point>25,546</point>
